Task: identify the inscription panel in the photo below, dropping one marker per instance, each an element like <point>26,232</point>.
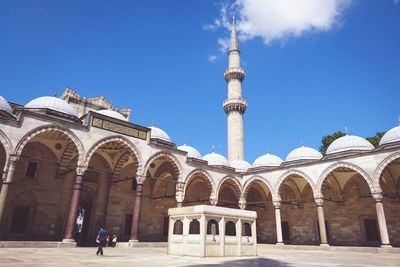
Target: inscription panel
<point>119,128</point>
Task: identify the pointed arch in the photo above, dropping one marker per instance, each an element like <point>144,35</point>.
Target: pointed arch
<point>5,141</point>
<point>288,173</point>
<point>234,182</point>
<point>381,167</point>
<point>175,162</point>
<point>202,172</point>
<point>254,179</point>
<point>116,139</point>
<point>51,128</point>
<point>343,164</point>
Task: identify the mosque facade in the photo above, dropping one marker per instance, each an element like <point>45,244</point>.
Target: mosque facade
<point>72,164</point>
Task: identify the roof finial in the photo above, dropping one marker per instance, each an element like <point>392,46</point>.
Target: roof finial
<point>213,148</point>
<point>55,92</point>
<point>184,140</point>
<point>302,142</point>
<point>346,130</point>
<point>234,46</point>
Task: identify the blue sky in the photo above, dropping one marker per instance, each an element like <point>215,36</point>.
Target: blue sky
<point>154,56</point>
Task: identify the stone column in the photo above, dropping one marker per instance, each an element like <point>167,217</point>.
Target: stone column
<point>321,221</point>
<point>279,239</point>
<point>136,208</point>
<point>203,235</point>
<point>239,234</point>
<point>179,194</point>
<point>74,204</point>
<point>242,203</point>
<point>381,220</point>
<point>8,176</point>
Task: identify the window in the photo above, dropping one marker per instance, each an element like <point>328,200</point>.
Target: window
<point>371,230</point>
<point>246,229</point>
<point>178,227</point>
<point>285,231</point>
<point>230,228</point>
<point>19,220</point>
<point>212,227</point>
<point>194,227</point>
<point>31,169</point>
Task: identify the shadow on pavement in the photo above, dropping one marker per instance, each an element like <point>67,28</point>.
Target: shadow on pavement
<point>249,262</point>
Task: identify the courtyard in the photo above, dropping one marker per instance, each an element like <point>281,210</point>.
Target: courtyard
<point>151,256</point>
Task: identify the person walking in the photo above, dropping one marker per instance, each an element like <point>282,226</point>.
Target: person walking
<point>101,240</point>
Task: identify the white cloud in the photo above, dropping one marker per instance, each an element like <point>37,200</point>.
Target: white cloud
<point>212,58</point>
<point>274,20</point>
<point>396,2</point>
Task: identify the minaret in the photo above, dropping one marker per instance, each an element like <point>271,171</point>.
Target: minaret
<point>235,105</point>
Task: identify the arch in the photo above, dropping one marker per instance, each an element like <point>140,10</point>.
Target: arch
<point>256,178</point>
<point>117,139</point>
<point>283,177</point>
<point>51,128</point>
<point>5,141</point>
<point>227,179</point>
<point>381,167</point>
<point>192,175</point>
<point>175,162</point>
<point>342,164</point>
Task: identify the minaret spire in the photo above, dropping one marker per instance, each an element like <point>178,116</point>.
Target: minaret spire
<point>234,105</point>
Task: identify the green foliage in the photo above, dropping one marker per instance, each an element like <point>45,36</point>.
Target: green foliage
<point>328,139</point>
<point>374,140</point>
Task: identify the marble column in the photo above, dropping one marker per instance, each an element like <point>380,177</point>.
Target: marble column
<point>136,208</point>
<point>8,176</point>
<point>179,194</point>
<point>321,221</point>
<point>279,239</point>
<point>74,205</point>
<point>381,220</point>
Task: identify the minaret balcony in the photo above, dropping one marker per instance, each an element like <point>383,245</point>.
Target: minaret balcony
<point>234,73</point>
<point>235,104</point>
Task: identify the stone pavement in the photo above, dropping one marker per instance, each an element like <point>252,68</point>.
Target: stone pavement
<point>143,257</point>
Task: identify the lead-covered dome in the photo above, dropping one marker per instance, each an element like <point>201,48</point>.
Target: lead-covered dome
<point>390,136</point>
<point>4,106</point>
<point>240,165</point>
<point>347,143</point>
<point>52,103</point>
<point>159,134</point>
<point>268,160</point>
<point>191,151</point>
<point>112,114</point>
<point>303,153</point>
<point>216,159</point>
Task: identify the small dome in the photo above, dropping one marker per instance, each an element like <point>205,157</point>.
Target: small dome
<point>240,165</point>
<point>216,159</point>
<point>159,134</point>
<point>191,151</point>
<point>53,103</point>
<point>390,136</point>
<point>268,160</point>
<point>303,153</point>
<point>112,114</point>
<point>4,106</point>
<point>349,142</point>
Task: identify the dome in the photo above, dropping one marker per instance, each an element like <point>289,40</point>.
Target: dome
<point>191,151</point>
<point>112,114</point>
<point>159,134</point>
<point>240,165</point>
<point>349,142</point>
<point>303,153</point>
<point>4,106</point>
<point>390,136</point>
<point>268,160</point>
<point>53,103</point>
<point>216,159</point>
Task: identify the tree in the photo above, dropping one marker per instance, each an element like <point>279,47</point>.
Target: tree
<point>374,140</point>
<point>328,139</point>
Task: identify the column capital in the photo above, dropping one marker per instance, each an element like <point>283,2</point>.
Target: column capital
<point>180,186</point>
<point>80,170</point>
<point>213,200</point>
<point>140,178</point>
<point>179,196</point>
<point>377,196</point>
<point>319,201</point>
<point>277,204</point>
<point>13,158</point>
<point>242,203</point>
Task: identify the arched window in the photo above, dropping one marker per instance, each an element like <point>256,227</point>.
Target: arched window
<point>230,229</point>
<point>212,227</point>
<point>178,227</point>
<point>194,227</point>
<point>246,229</point>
